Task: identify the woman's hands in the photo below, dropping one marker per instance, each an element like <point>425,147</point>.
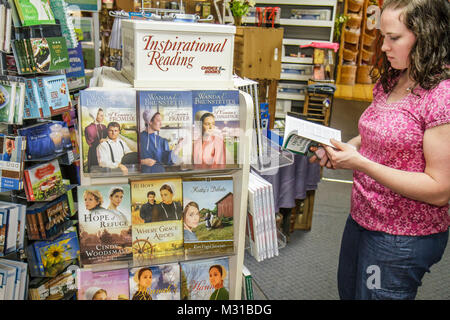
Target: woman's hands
<point>342,156</point>
<point>148,162</point>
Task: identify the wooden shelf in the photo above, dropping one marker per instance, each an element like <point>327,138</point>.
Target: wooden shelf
<point>357,92</point>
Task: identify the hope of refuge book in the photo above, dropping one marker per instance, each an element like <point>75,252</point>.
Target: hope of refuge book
<point>105,223</point>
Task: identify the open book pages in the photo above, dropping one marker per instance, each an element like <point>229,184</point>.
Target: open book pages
<point>300,135</point>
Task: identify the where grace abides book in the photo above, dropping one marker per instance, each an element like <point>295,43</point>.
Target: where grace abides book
<point>157,213</point>
<point>105,223</point>
<point>208,215</point>
<point>165,130</point>
<point>158,282</point>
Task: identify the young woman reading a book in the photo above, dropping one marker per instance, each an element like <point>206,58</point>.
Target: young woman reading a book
<point>398,224</point>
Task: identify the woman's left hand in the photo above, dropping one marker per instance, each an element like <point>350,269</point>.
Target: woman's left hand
<point>343,155</point>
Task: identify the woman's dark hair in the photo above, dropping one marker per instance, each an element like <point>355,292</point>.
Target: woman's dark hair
<point>141,271</point>
<point>114,191</point>
<point>429,21</point>
<point>217,266</point>
<point>206,115</point>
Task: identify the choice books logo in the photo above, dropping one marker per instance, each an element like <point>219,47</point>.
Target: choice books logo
<point>168,53</point>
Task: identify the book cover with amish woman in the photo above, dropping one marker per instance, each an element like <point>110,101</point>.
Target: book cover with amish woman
<point>157,213</point>
<point>105,223</point>
<point>208,215</point>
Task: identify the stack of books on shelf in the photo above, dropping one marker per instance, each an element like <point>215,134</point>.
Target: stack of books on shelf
<point>261,233</point>
<point>167,217</point>
<point>14,280</point>
<point>33,98</point>
<point>206,279</point>
<point>12,227</point>
<point>127,131</point>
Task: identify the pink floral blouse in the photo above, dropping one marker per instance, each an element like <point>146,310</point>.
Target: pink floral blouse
<point>392,135</point>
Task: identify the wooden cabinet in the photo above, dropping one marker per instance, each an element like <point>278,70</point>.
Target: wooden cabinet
<point>303,22</point>
<point>257,52</point>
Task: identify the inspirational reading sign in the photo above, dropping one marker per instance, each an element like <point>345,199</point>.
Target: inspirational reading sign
<point>170,54</point>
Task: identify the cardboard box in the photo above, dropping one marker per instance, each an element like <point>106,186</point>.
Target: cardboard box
<point>175,54</point>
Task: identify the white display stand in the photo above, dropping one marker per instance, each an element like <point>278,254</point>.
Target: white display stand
<point>171,54</point>
<point>240,185</point>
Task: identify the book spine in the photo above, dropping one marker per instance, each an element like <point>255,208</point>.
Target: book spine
<point>29,227</point>
<point>28,188</point>
<point>23,54</point>
<point>7,43</point>
<point>34,226</point>
<point>41,225</point>
<point>44,107</point>
<point>30,55</point>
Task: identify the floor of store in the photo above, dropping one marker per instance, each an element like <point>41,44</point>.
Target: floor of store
<point>306,268</point>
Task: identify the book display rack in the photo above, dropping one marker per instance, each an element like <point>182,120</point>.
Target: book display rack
<point>168,202</point>
<point>39,146</point>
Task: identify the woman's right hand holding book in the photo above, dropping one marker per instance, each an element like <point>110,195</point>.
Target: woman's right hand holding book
<point>148,162</point>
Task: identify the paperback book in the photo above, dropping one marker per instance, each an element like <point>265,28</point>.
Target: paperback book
<point>49,54</point>
<point>160,282</point>
<point>304,137</point>
<point>33,107</point>
<point>7,282</point>
<point>34,12</point>
<point>57,288</point>
<point>165,130</point>
<point>9,228</point>
<point>43,182</point>
<point>103,285</point>
<point>48,258</point>
<point>205,279</point>
<point>49,219</point>
<point>7,100</point>
<point>109,131</point>
<point>157,218</point>
<point>216,128</point>
<point>55,97</point>
<point>105,223</point>
<point>208,215</point>
<point>12,155</point>
<point>20,283</point>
